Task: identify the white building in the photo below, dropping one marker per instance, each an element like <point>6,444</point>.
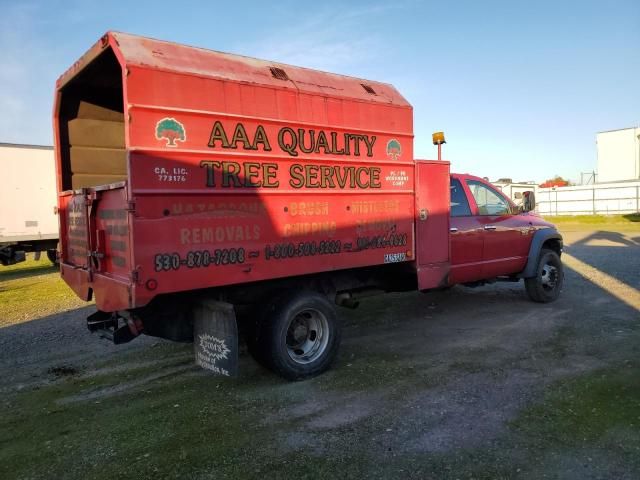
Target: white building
<point>618,155</point>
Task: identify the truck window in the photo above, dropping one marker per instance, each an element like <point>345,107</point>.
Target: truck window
<point>489,201</point>
<point>459,203</point>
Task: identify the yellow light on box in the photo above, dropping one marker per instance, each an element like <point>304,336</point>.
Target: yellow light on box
<point>438,138</point>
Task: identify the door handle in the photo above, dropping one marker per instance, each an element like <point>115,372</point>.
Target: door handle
<point>490,227</point>
<point>453,229</point>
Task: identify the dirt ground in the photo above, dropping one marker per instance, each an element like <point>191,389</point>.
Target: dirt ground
<point>469,383</point>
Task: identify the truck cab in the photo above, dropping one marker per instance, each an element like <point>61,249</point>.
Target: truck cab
<point>492,238</point>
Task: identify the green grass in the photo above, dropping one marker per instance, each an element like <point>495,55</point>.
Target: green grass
<point>192,425</point>
<point>596,412</point>
<point>198,426</point>
<point>587,407</point>
<point>31,290</point>
<point>26,268</point>
<point>617,220</point>
<point>187,425</point>
<point>169,427</point>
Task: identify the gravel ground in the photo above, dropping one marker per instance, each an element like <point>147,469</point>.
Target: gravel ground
<point>445,385</point>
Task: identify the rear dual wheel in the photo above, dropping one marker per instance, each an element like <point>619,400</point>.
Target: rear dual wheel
<point>298,337</point>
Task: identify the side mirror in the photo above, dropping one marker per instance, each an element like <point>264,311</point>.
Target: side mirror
<point>528,201</point>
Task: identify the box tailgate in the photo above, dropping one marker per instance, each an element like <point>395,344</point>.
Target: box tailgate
<point>95,231</point>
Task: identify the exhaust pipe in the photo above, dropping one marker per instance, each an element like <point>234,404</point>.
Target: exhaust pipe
<point>350,299</point>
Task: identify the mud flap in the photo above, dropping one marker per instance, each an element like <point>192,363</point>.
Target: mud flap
<point>215,337</point>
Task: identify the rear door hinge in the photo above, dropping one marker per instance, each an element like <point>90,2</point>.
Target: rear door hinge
<point>91,198</point>
<point>135,275</point>
<point>131,206</point>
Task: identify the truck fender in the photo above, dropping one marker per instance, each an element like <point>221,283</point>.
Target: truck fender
<point>539,238</point>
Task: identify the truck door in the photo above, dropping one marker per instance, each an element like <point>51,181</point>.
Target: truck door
<point>505,240</point>
<point>467,238</point>
<point>432,223</point>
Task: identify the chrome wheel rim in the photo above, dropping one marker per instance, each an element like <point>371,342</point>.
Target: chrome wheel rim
<point>307,336</point>
<point>549,276</point>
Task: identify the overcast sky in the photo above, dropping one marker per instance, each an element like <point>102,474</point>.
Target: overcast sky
<point>520,88</point>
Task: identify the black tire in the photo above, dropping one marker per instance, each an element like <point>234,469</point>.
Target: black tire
<point>298,337</point>
<point>545,287</point>
<point>52,255</point>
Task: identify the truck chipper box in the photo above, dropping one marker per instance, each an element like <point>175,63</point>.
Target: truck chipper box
<point>202,194</point>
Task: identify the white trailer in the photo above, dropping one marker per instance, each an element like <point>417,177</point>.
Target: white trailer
<point>28,222</point>
<point>514,190</point>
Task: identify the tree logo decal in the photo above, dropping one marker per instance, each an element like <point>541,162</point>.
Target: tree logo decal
<point>394,150</point>
<point>171,130</point>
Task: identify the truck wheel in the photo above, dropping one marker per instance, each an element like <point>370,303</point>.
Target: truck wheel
<point>299,336</point>
<point>52,255</point>
<point>546,285</point>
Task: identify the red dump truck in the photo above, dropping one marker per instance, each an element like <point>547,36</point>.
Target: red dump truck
<point>199,190</point>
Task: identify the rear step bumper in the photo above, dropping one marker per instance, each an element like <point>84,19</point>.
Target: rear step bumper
<point>108,325</point>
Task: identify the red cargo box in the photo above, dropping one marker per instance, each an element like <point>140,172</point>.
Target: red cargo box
<point>181,168</point>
